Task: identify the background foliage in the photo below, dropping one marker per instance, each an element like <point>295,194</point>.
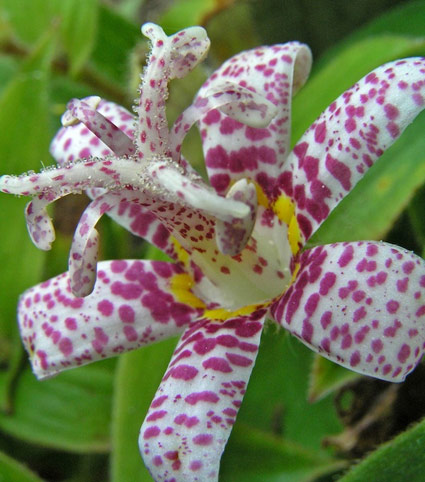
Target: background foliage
<point>303,418</point>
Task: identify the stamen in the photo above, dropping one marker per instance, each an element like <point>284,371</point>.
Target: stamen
<point>39,223</point>
<point>233,236</point>
<point>170,57</point>
<point>85,111</point>
<point>84,249</point>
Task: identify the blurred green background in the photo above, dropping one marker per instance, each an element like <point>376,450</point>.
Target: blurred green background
<point>303,418</point>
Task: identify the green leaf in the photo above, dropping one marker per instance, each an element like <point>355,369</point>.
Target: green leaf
<point>186,13</point>
<point>116,38</point>
<point>401,459</point>
<point>254,456</point>
<point>12,471</point>
<point>78,30</point>
<point>326,377</point>
<point>28,19</point>
<point>24,117</point>
<point>138,376</point>
<point>69,412</point>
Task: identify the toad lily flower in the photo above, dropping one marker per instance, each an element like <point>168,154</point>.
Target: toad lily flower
<point>236,244</point>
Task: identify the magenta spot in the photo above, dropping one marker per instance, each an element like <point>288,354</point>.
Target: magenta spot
<point>326,283</point>
<point>238,360</point>
<point>126,314</point>
<point>203,439</point>
<point>257,134</point>
<point>358,296</point>
<point>326,319</point>
<point>320,132</point>
<point>339,171</point>
<point>346,256</point>
<point>171,455</point>
<point>217,364</point>
<point>350,125</point>
<point>307,331</point>
<point>393,129</point>
<point>377,345</point>
<point>227,340</point>
<point>393,306</point>
<point>191,422</point>
<point>212,117</point>
<point>156,415</point>
<point>65,346</point>
<point>130,333</point>
<point>159,401</point>
<point>249,329</point>
<point>360,335</point>
<point>391,111</point>
<point>151,432</point>
<point>402,285</point>
<point>355,359</point>
<point>205,396</point>
<point>408,267</point>
<point>105,307</point>
<point>404,353</point>
<point>204,346</point>
<point>346,342</point>
<point>128,291</point>
<point>420,311</point>
<point>371,250</point>
<point>311,304</point>
<point>184,372</point>
<point>157,460</point>
<point>359,314</point>
<point>195,465</point>
<point>71,323</point>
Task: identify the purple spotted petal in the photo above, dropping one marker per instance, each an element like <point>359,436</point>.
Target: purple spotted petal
<point>134,303</point>
<point>190,419</point>
<point>233,150</point>
<point>233,100</point>
<point>361,305</point>
<point>349,136</point>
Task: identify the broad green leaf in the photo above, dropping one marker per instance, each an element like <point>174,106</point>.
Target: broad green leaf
<point>28,19</point>
<point>12,471</point>
<point>255,456</point>
<point>407,19</point>
<point>24,117</point>
<point>370,210</point>
<point>78,30</point>
<point>240,33</point>
<point>69,412</point>
<point>137,379</point>
<point>278,390</point>
<point>399,460</point>
<point>326,377</point>
<point>116,38</point>
<point>186,13</point>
